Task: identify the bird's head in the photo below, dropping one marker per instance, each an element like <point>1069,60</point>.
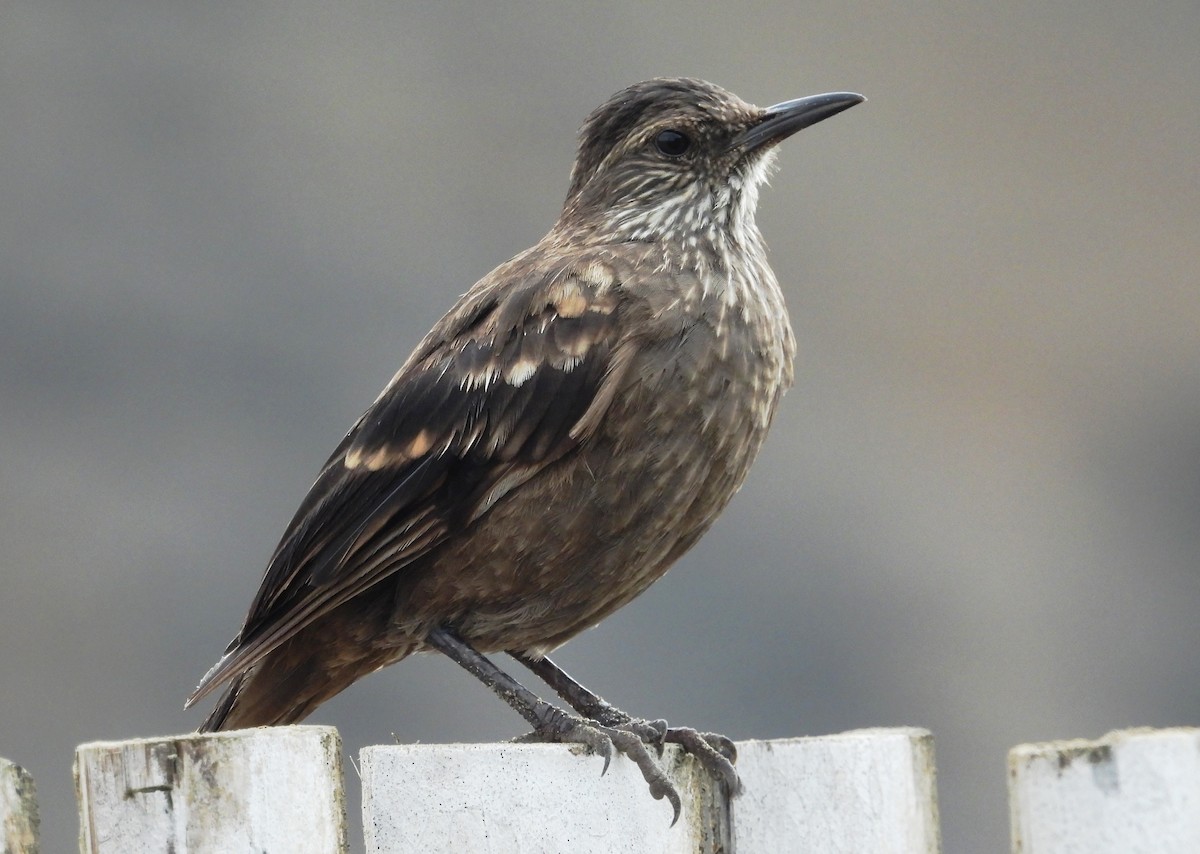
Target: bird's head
<point>680,160</point>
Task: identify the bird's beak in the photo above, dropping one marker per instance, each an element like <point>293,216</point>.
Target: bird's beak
<point>779,122</point>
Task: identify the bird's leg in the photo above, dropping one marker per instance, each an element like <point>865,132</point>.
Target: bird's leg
<point>553,724</point>
<point>715,752</point>
<point>588,703</point>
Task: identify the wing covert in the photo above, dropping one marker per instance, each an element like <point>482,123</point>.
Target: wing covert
<point>510,380</point>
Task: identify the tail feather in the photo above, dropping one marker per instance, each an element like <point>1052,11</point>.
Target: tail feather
<point>264,696</point>
<point>217,717</point>
<point>291,680</point>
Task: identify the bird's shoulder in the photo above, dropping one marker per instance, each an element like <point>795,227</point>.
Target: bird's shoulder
<point>529,339</point>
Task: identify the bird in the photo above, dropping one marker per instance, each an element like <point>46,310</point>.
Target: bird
<point>569,429</point>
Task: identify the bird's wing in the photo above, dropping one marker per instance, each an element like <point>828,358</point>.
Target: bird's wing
<point>518,374</point>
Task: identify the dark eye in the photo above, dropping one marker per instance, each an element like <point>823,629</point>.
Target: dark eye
<point>672,143</point>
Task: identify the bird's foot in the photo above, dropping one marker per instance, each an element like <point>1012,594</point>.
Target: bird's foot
<point>557,726</point>
<point>715,752</point>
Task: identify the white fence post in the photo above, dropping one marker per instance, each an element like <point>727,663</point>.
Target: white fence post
<point>1131,792</point>
<point>280,790</point>
<point>867,790</point>
<point>272,790</point>
<point>18,810</point>
<point>871,790</point>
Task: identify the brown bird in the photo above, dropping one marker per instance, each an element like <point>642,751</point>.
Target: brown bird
<point>568,430</point>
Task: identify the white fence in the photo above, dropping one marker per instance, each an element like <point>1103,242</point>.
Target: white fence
<point>281,790</point>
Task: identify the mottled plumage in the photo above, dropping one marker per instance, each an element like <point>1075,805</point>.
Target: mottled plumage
<point>561,436</point>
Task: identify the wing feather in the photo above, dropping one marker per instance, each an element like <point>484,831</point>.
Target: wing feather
<point>513,378</point>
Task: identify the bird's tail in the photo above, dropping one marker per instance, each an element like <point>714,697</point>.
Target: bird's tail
<point>263,696</point>
<point>289,683</point>
<point>218,716</point>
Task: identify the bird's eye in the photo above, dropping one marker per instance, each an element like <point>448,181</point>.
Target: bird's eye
<point>672,143</point>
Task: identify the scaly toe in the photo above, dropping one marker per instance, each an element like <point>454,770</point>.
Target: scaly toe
<point>715,752</point>
<point>631,744</point>
<point>557,726</point>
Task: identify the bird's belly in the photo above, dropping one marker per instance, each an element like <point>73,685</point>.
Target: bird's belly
<point>595,529</point>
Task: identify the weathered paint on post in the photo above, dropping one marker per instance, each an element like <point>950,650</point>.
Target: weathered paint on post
<point>275,789</point>
<point>1130,792</point>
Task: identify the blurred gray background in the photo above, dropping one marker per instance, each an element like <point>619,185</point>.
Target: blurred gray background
<point>224,225</point>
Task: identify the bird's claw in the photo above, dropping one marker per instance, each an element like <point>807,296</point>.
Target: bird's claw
<point>633,745</point>
<point>630,737</point>
<point>558,726</point>
<point>630,741</point>
<point>649,732</point>
<point>715,752</point>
